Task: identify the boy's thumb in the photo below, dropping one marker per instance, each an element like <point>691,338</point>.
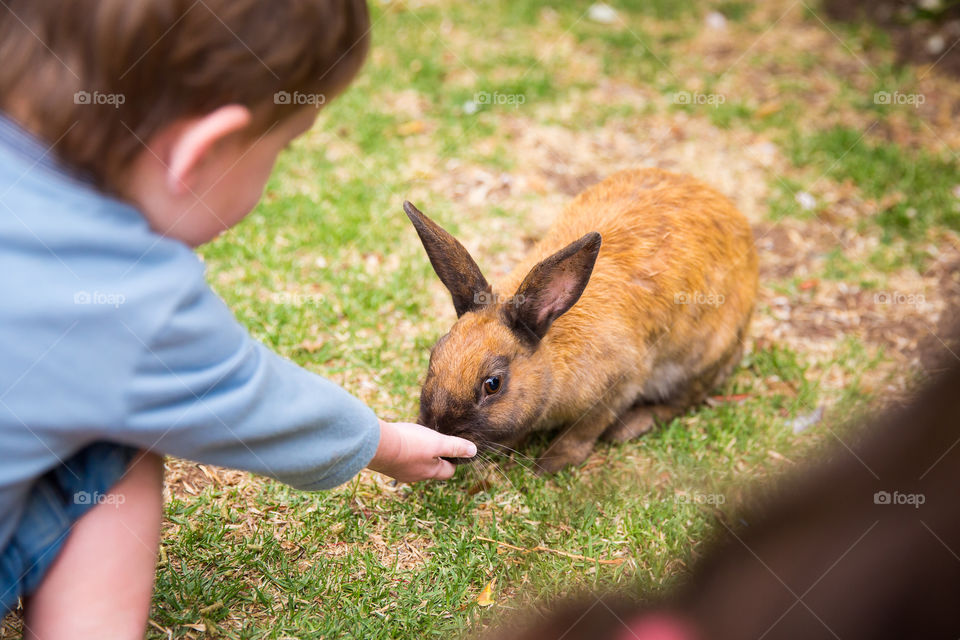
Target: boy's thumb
<point>460,448</point>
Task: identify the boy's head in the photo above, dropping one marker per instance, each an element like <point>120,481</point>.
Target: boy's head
<point>178,105</point>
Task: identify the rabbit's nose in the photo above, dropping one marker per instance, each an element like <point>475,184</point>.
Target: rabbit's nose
<point>445,427</point>
<point>427,419</point>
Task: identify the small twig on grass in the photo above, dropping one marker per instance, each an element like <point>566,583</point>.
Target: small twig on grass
<point>565,554</point>
<point>735,397</point>
<point>211,608</point>
<point>153,624</point>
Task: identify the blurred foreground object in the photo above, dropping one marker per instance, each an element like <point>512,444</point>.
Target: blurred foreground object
<point>864,545</point>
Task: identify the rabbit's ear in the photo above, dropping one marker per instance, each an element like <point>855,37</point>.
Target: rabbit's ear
<point>552,287</point>
<point>456,269</point>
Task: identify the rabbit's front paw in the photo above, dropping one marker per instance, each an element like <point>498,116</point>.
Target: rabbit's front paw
<point>638,420</point>
<point>560,454</point>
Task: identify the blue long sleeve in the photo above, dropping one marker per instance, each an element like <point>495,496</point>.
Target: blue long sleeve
<point>109,331</point>
<point>204,390</point>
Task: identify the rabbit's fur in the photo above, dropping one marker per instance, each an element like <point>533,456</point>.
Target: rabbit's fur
<point>596,341</point>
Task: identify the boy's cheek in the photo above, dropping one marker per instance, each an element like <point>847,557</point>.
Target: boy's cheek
<point>252,193</point>
<point>199,228</point>
<point>207,221</point>
<point>226,218</point>
<point>233,186</point>
<point>235,197</point>
<point>244,203</point>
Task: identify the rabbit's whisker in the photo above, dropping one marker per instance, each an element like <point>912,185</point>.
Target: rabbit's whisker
<point>523,460</point>
<point>498,469</point>
<point>504,447</point>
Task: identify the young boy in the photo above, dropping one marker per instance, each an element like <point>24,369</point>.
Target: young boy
<point>129,133</point>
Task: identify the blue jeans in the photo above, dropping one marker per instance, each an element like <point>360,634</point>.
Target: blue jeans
<point>57,500</point>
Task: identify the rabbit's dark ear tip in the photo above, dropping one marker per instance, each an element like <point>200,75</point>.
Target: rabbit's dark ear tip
<point>592,240</point>
<point>411,210</point>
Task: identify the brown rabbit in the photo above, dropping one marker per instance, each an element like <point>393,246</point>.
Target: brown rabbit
<point>660,322</point>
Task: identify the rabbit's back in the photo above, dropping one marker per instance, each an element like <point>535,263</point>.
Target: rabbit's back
<point>673,286</point>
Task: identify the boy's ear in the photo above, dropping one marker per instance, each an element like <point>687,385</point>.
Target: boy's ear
<point>196,137</point>
<point>552,287</point>
<point>452,263</point>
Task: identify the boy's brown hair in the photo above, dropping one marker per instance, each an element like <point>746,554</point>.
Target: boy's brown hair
<point>97,78</point>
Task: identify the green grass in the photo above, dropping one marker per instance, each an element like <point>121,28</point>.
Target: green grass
<point>327,272</point>
<point>306,567</point>
<point>924,180</point>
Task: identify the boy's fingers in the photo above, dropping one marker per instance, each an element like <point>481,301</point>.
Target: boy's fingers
<point>444,470</point>
<point>454,447</point>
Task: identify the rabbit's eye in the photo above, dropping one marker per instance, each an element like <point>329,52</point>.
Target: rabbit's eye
<point>491,385</point>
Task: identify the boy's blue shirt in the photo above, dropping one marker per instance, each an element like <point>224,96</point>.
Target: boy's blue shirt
<point>109,331</point>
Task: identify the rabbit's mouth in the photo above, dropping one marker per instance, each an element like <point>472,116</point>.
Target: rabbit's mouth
<point>459,460</point>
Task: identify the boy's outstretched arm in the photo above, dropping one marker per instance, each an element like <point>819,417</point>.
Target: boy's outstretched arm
<point>203,389</point>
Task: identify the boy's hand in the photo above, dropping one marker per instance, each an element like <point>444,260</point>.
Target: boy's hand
<point>410,452</point>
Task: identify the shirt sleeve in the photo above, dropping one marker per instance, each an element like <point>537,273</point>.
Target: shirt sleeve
<point>205,390</point>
